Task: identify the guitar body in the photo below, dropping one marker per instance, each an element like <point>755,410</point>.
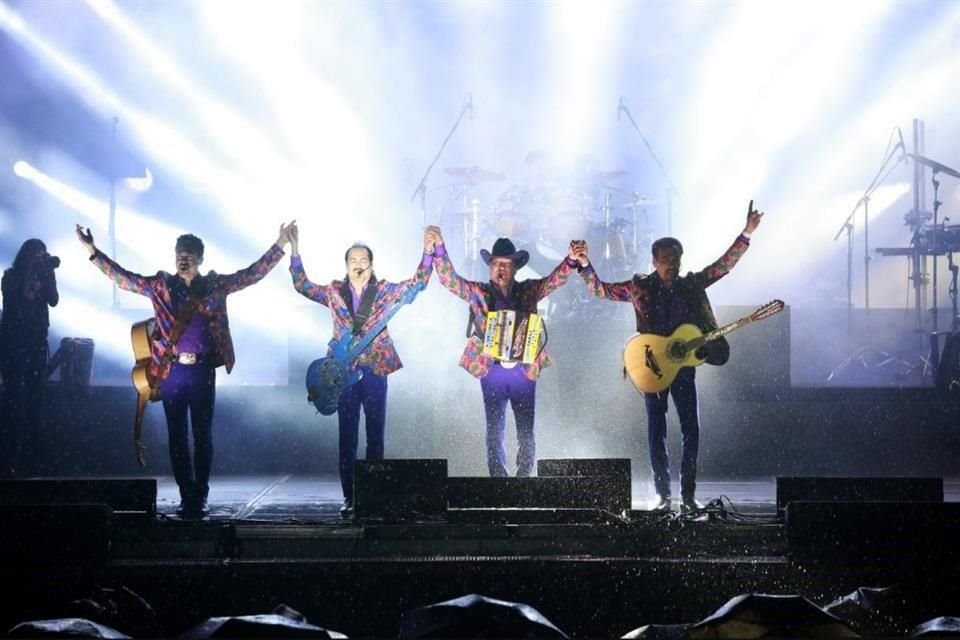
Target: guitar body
<point>140,339</point>
<point>652,362</point>
<point>326,380</point>
<point>329,376</point>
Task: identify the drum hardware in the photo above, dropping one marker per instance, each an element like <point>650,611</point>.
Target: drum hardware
<point>421,189</point>
<point>474,175</point>
<point>859,354</point>
<point>671,189</point>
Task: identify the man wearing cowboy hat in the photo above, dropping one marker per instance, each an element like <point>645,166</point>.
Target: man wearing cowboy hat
<point>499,381</point>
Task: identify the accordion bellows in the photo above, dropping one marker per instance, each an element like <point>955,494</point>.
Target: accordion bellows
<point>513,336</point>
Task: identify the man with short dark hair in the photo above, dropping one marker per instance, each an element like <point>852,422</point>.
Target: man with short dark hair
<point>190,340</point>
<point>662,301</point>
<point>502,381</point>
<point>357,303</point>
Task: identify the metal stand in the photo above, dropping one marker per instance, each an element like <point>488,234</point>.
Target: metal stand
<point>421,189</point>
<point>671,190</point>
<point>860,355</point>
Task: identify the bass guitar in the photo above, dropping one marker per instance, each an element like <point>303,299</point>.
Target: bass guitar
<point>652,361</point>
<point>327,377</point>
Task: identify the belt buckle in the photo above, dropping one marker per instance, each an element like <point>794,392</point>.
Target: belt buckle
<point>187,358</point>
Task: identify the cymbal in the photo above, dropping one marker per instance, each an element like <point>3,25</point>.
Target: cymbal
<point>936,166</point>
<point>474,174</point>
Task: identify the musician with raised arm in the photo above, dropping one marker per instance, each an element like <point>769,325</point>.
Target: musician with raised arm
<point>357,304</point>
<point>190,340</point>
<point>503,381</point>
<point>662,301</point>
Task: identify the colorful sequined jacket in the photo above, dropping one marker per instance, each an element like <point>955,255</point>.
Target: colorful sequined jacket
<point>214,289</point>
<point>524,297</point>
<point>692,286</point>
<point>380,355</point>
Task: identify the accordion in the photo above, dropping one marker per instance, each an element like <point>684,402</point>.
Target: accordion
<point>514,336</point>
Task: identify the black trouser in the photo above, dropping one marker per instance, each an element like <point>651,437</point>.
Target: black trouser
<point>193,388</point>
<point>21,410</point>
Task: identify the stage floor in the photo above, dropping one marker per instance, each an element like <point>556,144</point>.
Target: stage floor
<point>310,498</point>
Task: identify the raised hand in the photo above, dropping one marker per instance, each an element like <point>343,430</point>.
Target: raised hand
<point>753,218</point>
<point>431,238</point>
<point>435,234</point>
<point>284,236</point>
<point>579,251</point>
<point>293,234</point>
<point>86,239</point>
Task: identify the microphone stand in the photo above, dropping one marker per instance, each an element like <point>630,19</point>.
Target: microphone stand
<point>421,189</point>
<point>860,354</point>
<point>671,190</point>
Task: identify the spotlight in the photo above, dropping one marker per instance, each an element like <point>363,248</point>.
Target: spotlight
<point>22,169</point>
<point>141,185</point>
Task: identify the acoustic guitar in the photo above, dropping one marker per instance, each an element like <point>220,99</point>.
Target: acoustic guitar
<point>140,338</point>
<point>653,361</point>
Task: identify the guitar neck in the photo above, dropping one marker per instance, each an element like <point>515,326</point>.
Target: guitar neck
<point>363,342</point>
<point>719,333</point>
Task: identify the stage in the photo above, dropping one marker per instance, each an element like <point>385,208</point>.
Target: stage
<point>272,539</point>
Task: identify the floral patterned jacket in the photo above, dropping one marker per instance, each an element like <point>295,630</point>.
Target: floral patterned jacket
<point>637,290</point>
<point>524,297</point>
<point>213,305</point>
<point>380,355</point>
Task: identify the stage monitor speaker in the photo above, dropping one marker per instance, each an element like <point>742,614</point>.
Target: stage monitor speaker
<point>613,473</point>
<point>399,489</point>
<point>559,492</point>
<point>812,489</point>
<point>54,536</point>
<point>584,467</point>
<point>912,535</point>
<point>137,495</point>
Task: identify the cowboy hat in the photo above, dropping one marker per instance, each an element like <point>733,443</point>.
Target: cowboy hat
<point>503,248</point>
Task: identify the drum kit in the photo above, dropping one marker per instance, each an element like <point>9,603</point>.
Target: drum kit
<point>543,220</point>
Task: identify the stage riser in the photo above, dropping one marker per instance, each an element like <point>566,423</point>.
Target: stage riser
<point>137,495</point>
<point>816,489</point>
<point>915,536</point>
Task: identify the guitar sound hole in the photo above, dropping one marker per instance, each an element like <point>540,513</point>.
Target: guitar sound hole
<point>677,351</point>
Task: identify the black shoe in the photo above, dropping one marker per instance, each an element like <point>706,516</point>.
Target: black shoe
<point>193,509</point>
<point>662,504</point>
<point>690,505</point>
<point>346,511</point>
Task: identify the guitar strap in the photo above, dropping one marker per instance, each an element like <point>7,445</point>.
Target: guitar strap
<point>366,306</point>
<point>717,351</point>
<point>474,322</point>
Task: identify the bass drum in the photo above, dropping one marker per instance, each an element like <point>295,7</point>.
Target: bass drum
<point>512,217</point>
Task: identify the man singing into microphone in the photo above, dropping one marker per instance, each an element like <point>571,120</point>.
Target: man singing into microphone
<point>356,304</point>
<point>190,340</point>
<point>502,382</point>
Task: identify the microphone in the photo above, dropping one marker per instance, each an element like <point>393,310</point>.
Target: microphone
<point>620,108</point>
<point>470,104</point>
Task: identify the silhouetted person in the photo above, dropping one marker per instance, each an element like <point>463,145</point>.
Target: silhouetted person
<point>29,288</point>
